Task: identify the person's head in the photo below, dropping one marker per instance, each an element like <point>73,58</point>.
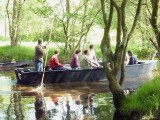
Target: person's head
<point>130,53</point>
<point>78,51</point>
<point>55,100</point>
<point>40,40</point>
<point>91,47</point>
<point>56,52</point>
<point>86,52</point>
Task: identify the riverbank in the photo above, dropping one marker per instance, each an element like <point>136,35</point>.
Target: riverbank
<point>25,51</point>
<point>146,99</point>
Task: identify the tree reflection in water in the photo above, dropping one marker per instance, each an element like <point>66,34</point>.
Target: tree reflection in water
<point>40,110</point>
<point>34,106</point>
<point>62,108</point>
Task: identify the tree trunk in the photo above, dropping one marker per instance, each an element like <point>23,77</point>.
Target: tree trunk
<point>17,106</point>
<point>14,20</point>
<point>154,23</point>
<point>67,28</point>
<point>112,63</point>
<point>117,91</point>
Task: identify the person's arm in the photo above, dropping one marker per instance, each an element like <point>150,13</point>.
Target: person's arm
<point>91,63</point>
<point>130,61</point>
<point>45,46</point>
<point>95,63</point>
<point>57,63</point>
<point>94,56</point>
<point>76,61</point>
<point>135,60</point>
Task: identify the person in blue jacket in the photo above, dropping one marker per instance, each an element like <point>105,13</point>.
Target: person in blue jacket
<point>132,58</point>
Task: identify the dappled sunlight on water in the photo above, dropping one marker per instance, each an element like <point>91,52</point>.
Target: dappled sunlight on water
<point>78,101</point>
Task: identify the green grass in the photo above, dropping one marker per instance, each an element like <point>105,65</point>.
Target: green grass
<point>146,99</point>
<point>9,53</point>
<point>22,53</point>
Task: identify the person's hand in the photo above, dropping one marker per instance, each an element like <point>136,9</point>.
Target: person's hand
<point>46,50</point>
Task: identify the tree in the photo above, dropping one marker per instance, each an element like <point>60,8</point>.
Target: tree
<point>154,23</point>
<point>114,62</point>
<point>14,20</point>
<point>76,21</point>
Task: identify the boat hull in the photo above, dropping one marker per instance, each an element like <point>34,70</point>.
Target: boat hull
<point>28,77</point>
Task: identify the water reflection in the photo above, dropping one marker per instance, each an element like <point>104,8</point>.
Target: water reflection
<point>54,102</point>
<point>40,111</point>
<point>63,108</point>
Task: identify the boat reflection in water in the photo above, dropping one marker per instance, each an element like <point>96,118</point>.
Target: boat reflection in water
<point>63,108</point>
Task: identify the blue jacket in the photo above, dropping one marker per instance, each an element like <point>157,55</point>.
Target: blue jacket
<point>133,60</point>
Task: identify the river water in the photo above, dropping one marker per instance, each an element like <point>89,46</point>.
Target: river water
<point>78,101</point>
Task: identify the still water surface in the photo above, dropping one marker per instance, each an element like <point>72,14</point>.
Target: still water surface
<point>54,102</point>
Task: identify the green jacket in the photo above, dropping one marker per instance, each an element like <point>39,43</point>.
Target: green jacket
<point>85,62</point>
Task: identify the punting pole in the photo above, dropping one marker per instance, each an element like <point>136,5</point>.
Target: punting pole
<point>44,68</point>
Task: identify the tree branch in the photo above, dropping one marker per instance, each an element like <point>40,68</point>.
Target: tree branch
<point>119,20</point>
<point>135,20</point>
<point>154,44</point>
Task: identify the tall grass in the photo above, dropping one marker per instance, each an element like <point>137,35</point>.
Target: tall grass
<point>9,53</point>
<point>146,99</point>
<point>22,53</point>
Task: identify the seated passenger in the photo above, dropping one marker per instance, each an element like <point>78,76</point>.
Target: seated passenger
<point>74,63</point>
<point>54,62</point>
<point>132,58</point>
<point>92,54</point>
<point>86,62</point>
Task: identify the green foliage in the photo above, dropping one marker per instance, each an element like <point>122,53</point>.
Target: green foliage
<point>142,48</point>
<point>9,53</point>
<point>146,99</point>
<point>21,53</point>
<point>36,22</point>
<point>43,9</point>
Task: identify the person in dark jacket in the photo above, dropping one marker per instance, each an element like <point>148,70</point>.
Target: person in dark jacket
<point>39,53</point>
<point>132,58</point>
<point>74,63</point>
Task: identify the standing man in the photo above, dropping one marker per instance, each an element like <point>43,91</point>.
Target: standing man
<point>39,53</point>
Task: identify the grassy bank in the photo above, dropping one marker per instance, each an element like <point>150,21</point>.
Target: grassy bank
<point>8,53</point>
<point>146,99</point>
<point>22,53</point>
<point>26,52</point>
